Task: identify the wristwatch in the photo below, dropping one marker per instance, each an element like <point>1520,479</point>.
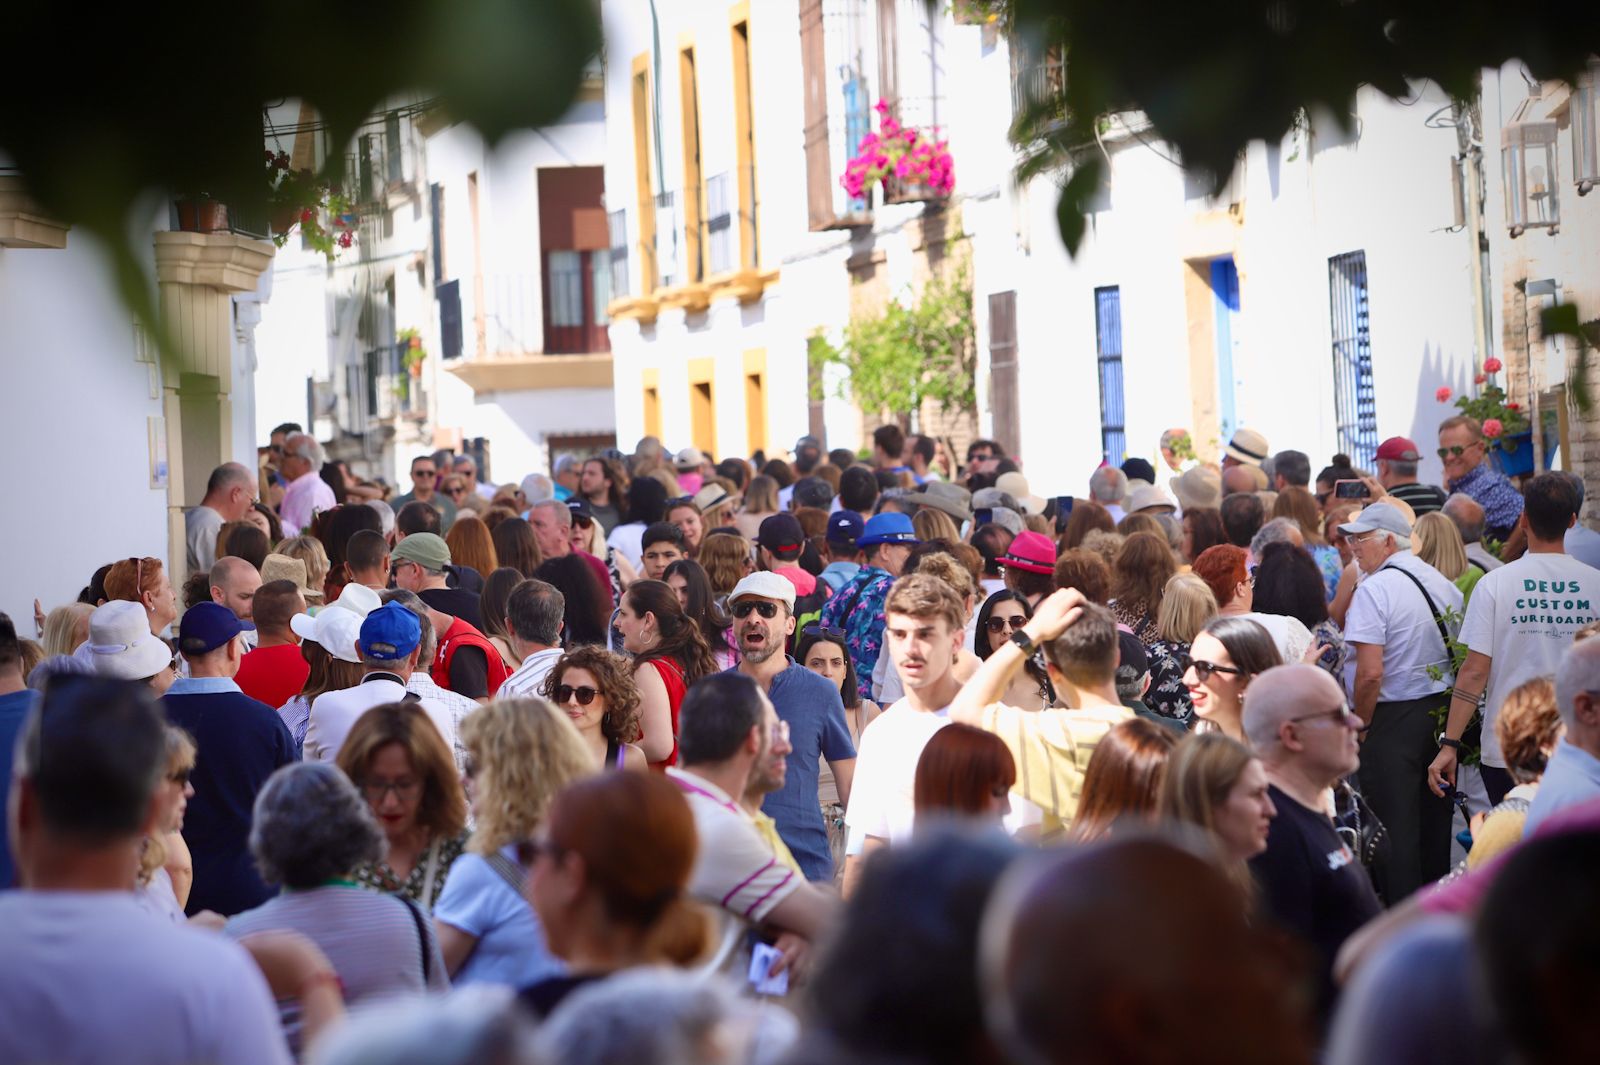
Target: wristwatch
<point>1454,745</point>
<point>1024,641</point>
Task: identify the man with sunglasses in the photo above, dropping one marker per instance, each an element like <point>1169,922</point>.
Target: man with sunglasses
<point>1304,732</point>
<point>1397,625</point>
<point>425,489</point>
<point>1465,454</point>
<point>762,605</point>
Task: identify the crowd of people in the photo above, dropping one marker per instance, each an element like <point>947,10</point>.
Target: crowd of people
<point>817,757</point>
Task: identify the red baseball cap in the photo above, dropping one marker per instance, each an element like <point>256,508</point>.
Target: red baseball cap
<point>1399,449</point>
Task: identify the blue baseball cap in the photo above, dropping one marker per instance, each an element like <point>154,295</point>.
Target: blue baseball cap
<point>390,633</point>
<point>890,527</point>
<point>844,527</point>
<point>206,627</point>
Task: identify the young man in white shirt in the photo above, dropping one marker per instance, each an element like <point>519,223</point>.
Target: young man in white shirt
<point>726,729</point>
<point>89,974</point>
<point>1521,619</point>
<point>923,634</point>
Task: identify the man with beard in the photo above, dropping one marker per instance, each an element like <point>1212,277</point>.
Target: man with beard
<point>809,710</point>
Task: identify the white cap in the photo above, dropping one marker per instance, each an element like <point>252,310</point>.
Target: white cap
<point>335,629</point>
<point>766,585</point>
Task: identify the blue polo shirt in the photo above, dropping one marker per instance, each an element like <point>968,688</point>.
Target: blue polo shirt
<point>239,743</point>
<point>810,704</point>
<point>13,714</point>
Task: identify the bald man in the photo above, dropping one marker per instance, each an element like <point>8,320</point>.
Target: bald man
<point>230,493</point>
<point>1468,516</point>
<point>1081,951</point>
<point>234,583</point>
<point>1303,730</point>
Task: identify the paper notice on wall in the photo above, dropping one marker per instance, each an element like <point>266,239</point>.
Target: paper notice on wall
<point>158,451</point>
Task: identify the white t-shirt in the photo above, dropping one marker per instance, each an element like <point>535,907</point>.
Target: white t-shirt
<point>93,977</point>
<point>881,796</point>
<point>335,713</point>
<point>628,541</point>
<point>1389,611</point>
<point>1523,616</point>
<point>735,874</point>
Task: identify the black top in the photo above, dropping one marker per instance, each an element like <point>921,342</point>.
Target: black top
<point>1421,498</point>
<point>456,602</point>
<point>239,742</point>
<point>542,998</point>
<point>1313,884</point>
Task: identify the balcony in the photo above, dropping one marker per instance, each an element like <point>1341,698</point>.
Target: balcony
<point>545,330</point>
<point>1038,80</point>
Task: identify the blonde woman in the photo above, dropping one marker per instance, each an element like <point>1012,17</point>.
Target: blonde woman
<point>726,560</point>
<point>1218,785</point>
<point>760,503</point>
<point>65,628</point>
<point>933,524</point>
<point>520,753</point>
<point>1437,541</point>
<point>309,549</point>
<point>1186,605</point>
<point>166,871</point>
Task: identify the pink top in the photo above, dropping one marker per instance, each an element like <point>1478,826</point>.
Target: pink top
<point>306,495</point>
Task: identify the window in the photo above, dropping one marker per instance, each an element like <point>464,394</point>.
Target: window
<point>641,173</point>
<point>617,224</point>
<point>436,202</point>
<point>702,405</point>
<point>719,222</point>
<point>1108,345</point>
<point>755,400</point>
<point>575,238</point>
<point>837,106</point>
<point>1355,406</point>
<point>393,156</point>
<point>744,138</point>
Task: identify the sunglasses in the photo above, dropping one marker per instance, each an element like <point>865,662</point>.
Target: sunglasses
<point>564,693</point>
<point>766,610</point>
<point>818,630</point>
<point>1455,450</point>
<point>424,473</point>
<point>1341,714</point>
<point>1203,669</point>
<point>679,501</point>
<point>1001,624</point>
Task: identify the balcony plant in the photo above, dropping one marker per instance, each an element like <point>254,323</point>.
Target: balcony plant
<point>412,354</point>
<point>314,204</point>
<point>909,163</point>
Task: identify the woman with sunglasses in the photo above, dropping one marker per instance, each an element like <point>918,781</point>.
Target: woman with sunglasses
<point>166,872</point>
<point>595,689</point>
<point>669,655</point>
<point>407,774</point>
<point>144,581</point>
<point>1224,657</point>
<point>1002,615</point>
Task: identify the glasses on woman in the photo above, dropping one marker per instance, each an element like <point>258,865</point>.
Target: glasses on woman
<point>564,693</point>
<point>743,608</point>
<point>404,790</point>
<point>818,630</point>
<point>1203,669</point>
<point>679,501</point>
<point>999,624</point>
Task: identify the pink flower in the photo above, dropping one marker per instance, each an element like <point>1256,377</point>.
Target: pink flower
<point>1444,394</point>
<point>1492,365</point>
<point>1479,379</point>
<point>1492,427</point>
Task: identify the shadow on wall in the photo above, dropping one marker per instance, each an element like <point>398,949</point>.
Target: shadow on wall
<point>1436,370</point>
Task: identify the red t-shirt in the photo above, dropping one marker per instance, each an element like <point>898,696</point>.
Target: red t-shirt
<point>273,675</point>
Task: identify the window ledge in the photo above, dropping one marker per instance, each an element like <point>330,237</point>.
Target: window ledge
<point>22,223</point>
<point>744,285</point>
<point>693,296</point>
<point>641,308</point>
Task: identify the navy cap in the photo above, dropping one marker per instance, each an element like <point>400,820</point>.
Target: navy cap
<point>390,633</point>
<point>890,527</point>
<point>844,527</point>
<point>580,508</point>
<point>781,534</point>
<point>206,627</point>
<point>1137,469</point>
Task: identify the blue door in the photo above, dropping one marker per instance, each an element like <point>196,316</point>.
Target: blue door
<point>1225,294</point>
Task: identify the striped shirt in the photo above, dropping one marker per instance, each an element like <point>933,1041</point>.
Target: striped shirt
<point>371,940</point>
<point>735,872</point>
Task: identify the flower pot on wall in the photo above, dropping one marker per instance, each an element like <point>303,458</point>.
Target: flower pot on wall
<point>1512,454</point>
<point>898,190</point>
<point>202,216</point>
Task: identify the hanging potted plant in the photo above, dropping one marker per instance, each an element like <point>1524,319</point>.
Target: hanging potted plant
<point>318,207</point>
<point>910,164</point>
<point>412,353</point>
<point>199,213</point>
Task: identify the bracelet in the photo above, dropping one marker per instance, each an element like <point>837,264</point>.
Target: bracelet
<point>1454,745</point>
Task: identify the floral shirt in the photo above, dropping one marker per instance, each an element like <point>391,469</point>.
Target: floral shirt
<point>1167,695</point>
<point>379,877</point>
<point>1499,498</point>
<point>857,610</point>
<point>1141,625</point>
<point>1334,658</point>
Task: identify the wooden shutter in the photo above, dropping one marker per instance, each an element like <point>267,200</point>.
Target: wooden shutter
<point>814,71</point>
<point>1003,399</point>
